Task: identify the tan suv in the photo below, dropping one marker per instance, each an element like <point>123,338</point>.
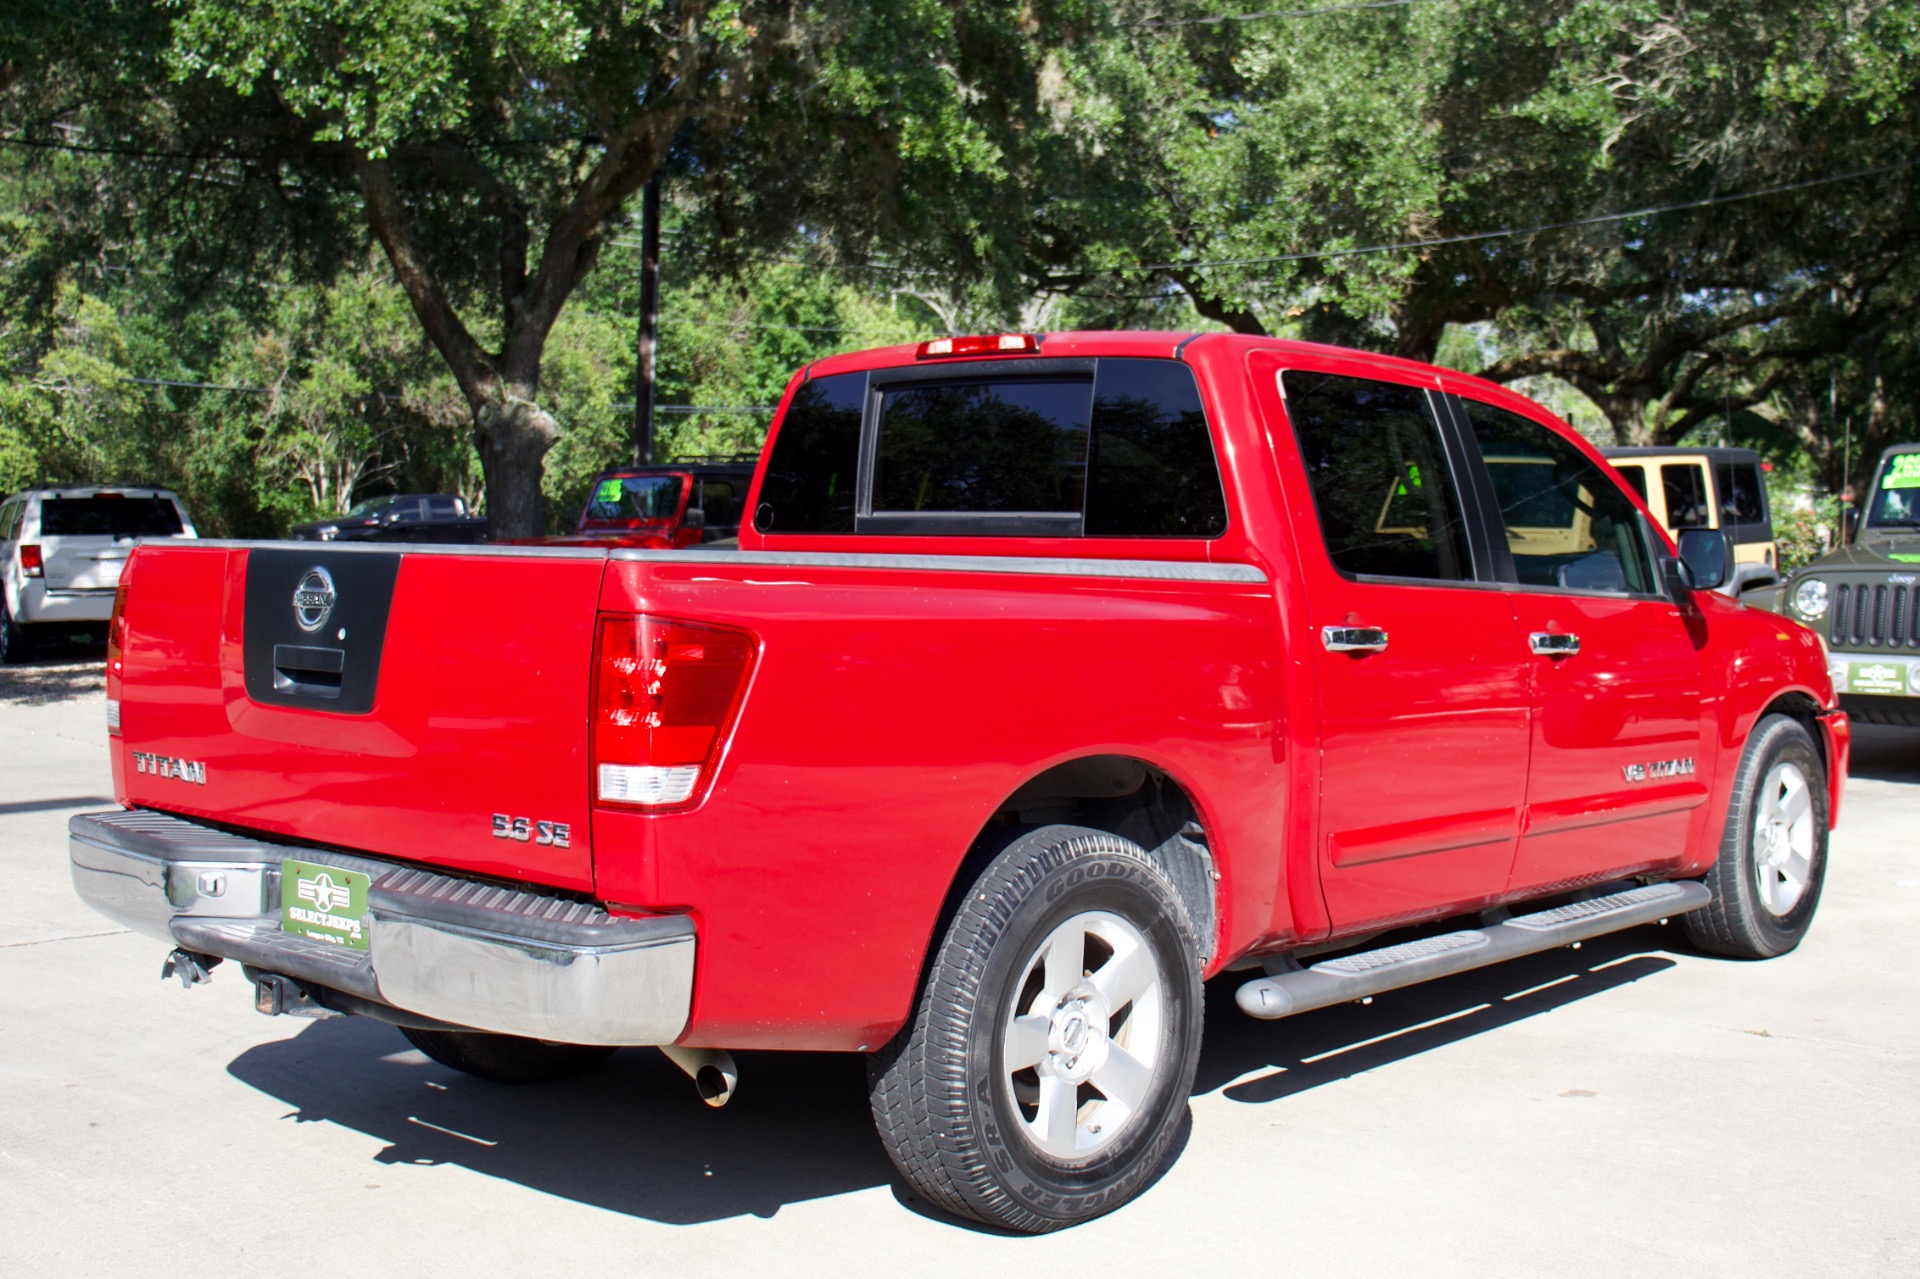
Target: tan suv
<point>1709,488</point>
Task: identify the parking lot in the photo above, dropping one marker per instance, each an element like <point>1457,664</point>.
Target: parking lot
<point>1631,1107</point>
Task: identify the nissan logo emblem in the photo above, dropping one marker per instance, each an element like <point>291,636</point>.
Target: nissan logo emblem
<point>313,599</point>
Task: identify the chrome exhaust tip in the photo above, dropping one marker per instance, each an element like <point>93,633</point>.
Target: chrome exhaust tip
<point>711,1069</point>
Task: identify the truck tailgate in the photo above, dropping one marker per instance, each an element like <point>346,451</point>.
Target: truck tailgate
<point>423,704</point>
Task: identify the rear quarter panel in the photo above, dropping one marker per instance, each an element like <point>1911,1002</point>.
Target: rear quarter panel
<point>891,711</point>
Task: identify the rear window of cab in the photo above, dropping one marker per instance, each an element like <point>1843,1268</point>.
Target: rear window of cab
<point>1110,447</point>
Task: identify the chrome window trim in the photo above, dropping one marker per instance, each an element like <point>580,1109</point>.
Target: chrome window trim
<point>384,548</point>
<point>1041,566</point>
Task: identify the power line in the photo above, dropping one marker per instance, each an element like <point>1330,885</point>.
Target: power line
<point>263,390</point>
<point>1268,14</point>
<point>197,386</point>
<point>1510,232</point>
<point>705,408</point>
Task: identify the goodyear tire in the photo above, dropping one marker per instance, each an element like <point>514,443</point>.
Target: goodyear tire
<point>506,1059</point>
<point>1773,855</point>
<point>1046,1070</point>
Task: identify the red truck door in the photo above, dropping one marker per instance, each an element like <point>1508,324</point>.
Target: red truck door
<point>1423,694</point>
<point>1618,761</point>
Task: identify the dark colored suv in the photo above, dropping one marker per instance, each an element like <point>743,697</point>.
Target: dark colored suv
<point>404,517</point>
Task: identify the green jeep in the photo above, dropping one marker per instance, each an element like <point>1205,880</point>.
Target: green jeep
<point>1864,597</point>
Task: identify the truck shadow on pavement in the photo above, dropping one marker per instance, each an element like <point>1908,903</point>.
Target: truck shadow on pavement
<point>1884,754</point>
<point>1303,1052</point>
<point>633,1138</point>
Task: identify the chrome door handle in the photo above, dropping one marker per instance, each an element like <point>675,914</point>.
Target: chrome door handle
<point>1353,639</point>
<point>1547,644</point>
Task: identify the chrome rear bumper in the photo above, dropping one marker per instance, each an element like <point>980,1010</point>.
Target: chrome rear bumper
<point>456,950</point>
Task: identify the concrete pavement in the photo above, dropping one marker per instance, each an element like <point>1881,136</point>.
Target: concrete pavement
<point>1629,1108</point>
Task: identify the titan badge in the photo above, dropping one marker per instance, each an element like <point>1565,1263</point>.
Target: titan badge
<point>186,770</point>
<point>1658,769</point>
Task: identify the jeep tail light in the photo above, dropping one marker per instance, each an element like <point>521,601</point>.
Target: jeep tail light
<point>986,344</point>
<point>665,694</point>
<point>116,653</point>
<point>30,562</point>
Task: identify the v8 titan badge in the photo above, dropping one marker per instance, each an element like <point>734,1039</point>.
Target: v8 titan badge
<point>324,902</point>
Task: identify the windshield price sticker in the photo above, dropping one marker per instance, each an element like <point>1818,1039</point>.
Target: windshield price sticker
<point>608,494</point>
<point>325,903</point>
<point>1903,472</point>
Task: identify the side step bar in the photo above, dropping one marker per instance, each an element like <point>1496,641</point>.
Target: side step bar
<point>1365,973</point>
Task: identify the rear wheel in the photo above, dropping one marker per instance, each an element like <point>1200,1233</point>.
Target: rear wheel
<point>507,1059</point>
<point>15,646</point>
<point>1046,1070</point>
<point>1773,856</point>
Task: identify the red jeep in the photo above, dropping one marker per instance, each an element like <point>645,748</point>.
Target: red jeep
<point>1054,676</point>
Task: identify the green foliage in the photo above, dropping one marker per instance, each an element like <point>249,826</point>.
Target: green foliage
<point>1805,521</point>
<point>857,174</point>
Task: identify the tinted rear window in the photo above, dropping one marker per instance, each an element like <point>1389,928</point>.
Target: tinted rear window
<point>984,446</point>
<point>810,477</point>
<point>108,517</point>
<point>1122,446</point>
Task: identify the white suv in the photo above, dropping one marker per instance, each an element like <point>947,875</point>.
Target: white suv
<point>61,552</point>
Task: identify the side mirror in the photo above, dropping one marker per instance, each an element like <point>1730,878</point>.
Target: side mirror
<point>696,517</point>
<point>1849,525</point>
<point>1707,554</point>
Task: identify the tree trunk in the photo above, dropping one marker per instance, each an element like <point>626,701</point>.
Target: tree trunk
<point>513,435</point>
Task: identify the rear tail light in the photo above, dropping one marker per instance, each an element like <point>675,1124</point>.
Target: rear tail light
<point>30,562</point>
<point>665,694</point>
<point>116,654</point>
<point>986,344</point>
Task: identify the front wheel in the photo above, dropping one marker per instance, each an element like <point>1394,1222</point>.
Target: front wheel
<point>1773,856</point>
<point>1046,1070</point>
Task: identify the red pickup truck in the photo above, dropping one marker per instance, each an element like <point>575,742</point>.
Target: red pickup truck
<point>1056,674</point>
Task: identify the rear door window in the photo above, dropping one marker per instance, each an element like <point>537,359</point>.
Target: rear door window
<point>108,517</point>
<point>1636,478</point>
<point>1567,523</point>
<point>443,508</point>
<point>1386,500</point>
<point>1684,484</point>
<point>1743,501</point>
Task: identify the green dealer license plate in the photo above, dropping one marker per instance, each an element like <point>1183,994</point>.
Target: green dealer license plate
<point>324,902</point>
<point>1888,678</point>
